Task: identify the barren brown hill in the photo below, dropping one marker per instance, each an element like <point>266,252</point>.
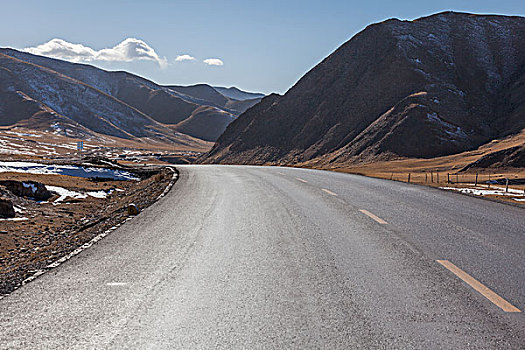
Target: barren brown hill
<point>206,123</point>
<point>427,88</point>
<point>207,95</point>
<point>242,105</point>
<point>203,92</point>
<point>237,94</point>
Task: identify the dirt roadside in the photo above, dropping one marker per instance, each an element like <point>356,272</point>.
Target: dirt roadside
<point>43,232</point>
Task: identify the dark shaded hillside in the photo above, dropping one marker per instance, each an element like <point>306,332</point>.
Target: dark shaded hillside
<point>203,92</point>
<point>237,94</point>
<point>510,157</point>
<point>435,86</point>
<point>208,95</point>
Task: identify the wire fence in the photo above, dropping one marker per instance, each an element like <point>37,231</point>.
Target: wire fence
<point>487,180</point>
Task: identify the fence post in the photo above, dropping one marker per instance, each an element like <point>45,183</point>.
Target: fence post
<point>437,175</point>
<point>489,181</point>
<point>425,177</point>
<point>391,175</point>
<point>507,185</point>
<point>476,180</point>
<point>448,178</point>
<point>408,177</point>
<point>432,177</point>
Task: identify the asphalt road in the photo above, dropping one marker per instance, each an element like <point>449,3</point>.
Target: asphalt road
<point>260,257</point>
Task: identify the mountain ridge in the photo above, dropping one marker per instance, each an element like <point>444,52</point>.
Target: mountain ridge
<point>237,94</point>
<point>154,107</point>
<point>441,76</point>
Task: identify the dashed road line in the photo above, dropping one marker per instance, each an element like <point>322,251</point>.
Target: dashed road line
<point>116,284</point>
<point>373,217</point>
<point>302,180</point>
<point>479,287</point>
<point>329,192</point>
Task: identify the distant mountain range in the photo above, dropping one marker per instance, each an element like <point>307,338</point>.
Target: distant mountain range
<point>431,87</point>
<point>84,101</point>
<point>236,94</point>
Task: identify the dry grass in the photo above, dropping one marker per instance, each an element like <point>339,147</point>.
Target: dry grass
<point>440,171</point>
<point>22,143</point>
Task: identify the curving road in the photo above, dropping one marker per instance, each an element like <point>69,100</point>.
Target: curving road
<point>267,257</point>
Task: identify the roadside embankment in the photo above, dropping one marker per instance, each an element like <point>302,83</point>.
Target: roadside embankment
<point>79,209</point>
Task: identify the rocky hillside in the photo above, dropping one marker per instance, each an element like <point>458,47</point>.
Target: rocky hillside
<point>27,89</point>
<point>87,99</point>
<point>434,86</point>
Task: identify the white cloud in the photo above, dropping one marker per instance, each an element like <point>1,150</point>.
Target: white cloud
<point>213,62</point>
<point>181,58</point>
<point>128,50</point>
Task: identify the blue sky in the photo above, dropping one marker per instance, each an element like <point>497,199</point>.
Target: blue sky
<point>265,46</point>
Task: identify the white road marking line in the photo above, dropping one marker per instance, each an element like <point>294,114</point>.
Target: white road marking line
<point>280,173</point>
<point>329,192</point>
<point>374,217</point>
<point>302,180</point>
<point>116,284</point>
<point>479,287</point>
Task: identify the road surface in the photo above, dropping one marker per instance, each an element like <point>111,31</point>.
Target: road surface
<point>267,257</point>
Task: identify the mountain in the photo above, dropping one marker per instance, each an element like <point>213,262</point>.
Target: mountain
<point>208,95</point>
<point>237,94</point>
<point>27,89</point>
<point>202,92</point>
<point>207,123</point>
<point>93,100</point>
<point>435,86</point>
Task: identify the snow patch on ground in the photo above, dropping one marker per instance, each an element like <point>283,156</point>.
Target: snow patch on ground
<point>483,191</point>
<point>453,131</point>
<point>64,193</point>
<point>71,170</point>
<point>22,134</point>
<point>98,194</point>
